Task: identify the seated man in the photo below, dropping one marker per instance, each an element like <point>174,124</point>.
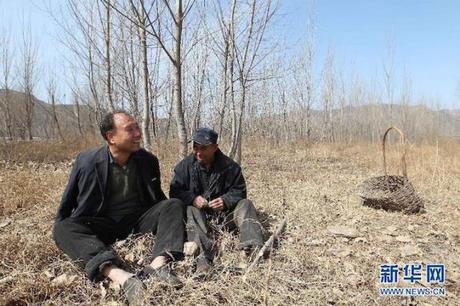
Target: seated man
<point>115,190</point>
<point>210,183</point>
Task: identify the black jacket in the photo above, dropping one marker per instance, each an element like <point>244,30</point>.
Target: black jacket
<point>226,180</point>
<point>85,194</point>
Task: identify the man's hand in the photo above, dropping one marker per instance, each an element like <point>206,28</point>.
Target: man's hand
<point>217,204</point>
<point>200,202</point>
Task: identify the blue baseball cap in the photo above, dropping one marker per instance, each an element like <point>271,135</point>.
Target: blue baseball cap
<point>204,136</point>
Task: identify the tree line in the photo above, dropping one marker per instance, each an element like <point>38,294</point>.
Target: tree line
<point>177,65</point>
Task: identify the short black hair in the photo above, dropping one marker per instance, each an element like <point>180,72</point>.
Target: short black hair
<point>107,123</point>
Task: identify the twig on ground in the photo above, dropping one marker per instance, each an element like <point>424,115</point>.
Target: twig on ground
<point>268,244</point>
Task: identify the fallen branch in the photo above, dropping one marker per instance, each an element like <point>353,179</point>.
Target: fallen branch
<point>6,279</point>
<point>268,244</point>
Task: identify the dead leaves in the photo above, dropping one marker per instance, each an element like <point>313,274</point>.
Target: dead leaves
<point>64,280</point>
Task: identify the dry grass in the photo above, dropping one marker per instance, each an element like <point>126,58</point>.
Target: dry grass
<point>45,151</point>
<point>309,267</point>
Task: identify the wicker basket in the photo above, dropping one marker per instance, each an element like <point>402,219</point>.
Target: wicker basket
<point>391,192</point>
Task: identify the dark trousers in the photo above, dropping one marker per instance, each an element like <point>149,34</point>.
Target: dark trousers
<point>87,240</point>
<point>243,217</point>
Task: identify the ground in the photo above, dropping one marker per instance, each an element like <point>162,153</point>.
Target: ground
<point>316,262</point>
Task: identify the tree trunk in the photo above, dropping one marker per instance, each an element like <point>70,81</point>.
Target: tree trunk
<point>55,118</point>
<point>30,106</point>
<point>145,69</point>
<point>7,113</point>
<point>224,88</point>
<point>108,63</point>
<point>228,63</point>
<point>93,88</point>
<point>77,115</point>
<point>178,111</point>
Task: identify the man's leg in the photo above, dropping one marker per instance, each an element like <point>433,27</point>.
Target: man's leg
<point>198,231</point>
<point>86,241</point>
<point>166,220</point>
<point>245,218</point>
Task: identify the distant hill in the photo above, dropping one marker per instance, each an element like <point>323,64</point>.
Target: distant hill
<point>43,124</point>
<point>362,123</point>
<point>417,121</point>
<point>416,117</point>
<point>350,123</point>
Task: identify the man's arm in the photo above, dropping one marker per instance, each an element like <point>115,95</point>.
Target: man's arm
<point>236,189</point>
<point>69,197</point>
<point>179,188</point>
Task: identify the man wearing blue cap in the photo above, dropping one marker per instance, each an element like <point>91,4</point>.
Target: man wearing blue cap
<point>212,184</point>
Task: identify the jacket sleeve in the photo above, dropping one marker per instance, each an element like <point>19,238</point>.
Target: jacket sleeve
<point>156,168</point>
<point>236,189</point>
<point>69,197</point>
<point>179,187</point>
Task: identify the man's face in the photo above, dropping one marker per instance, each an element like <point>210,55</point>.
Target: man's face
<point>126,135</point>
<point>204,154</point>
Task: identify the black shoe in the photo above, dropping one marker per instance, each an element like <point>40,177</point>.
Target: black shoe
<point>203,268</point>
<point>164,274</point>
<point>252,251</point>
<point>134,291</point>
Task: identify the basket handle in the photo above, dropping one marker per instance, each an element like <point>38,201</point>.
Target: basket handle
<point>403,156</point>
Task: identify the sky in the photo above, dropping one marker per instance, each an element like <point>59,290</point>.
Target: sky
<point>425,35</point>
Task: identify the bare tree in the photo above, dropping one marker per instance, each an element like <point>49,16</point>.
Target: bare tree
<point>51,88</point>
<point>303,75</point>
<point>248,56</point>
<point>145,75</point>
<point>197,88</point>
<point>406,97</point>
<point>108,46</point>
<point>155,90</point>
<point>80,35</point>
<point>329,91</point>
<point>141,22</point>
<point>207,65</point>
<point>6,61</point>
<point>77,112</point>
<point>342,103</point>
<point>389,74</point>
<point>28,78</point>
<point>224,51</point>
<point>129,71</point>
<point>177,16</point>
<point>284,111</point>
<point>177,62</point>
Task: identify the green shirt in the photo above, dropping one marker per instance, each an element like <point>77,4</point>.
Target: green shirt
<point>124,193</point>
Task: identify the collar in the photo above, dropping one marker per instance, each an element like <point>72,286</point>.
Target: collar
<point>112,161</point>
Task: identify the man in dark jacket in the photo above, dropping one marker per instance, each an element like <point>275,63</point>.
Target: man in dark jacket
<point>113,191</point>
<point>211,184</point>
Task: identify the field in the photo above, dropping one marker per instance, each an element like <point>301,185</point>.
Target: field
<point>311,185</point>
